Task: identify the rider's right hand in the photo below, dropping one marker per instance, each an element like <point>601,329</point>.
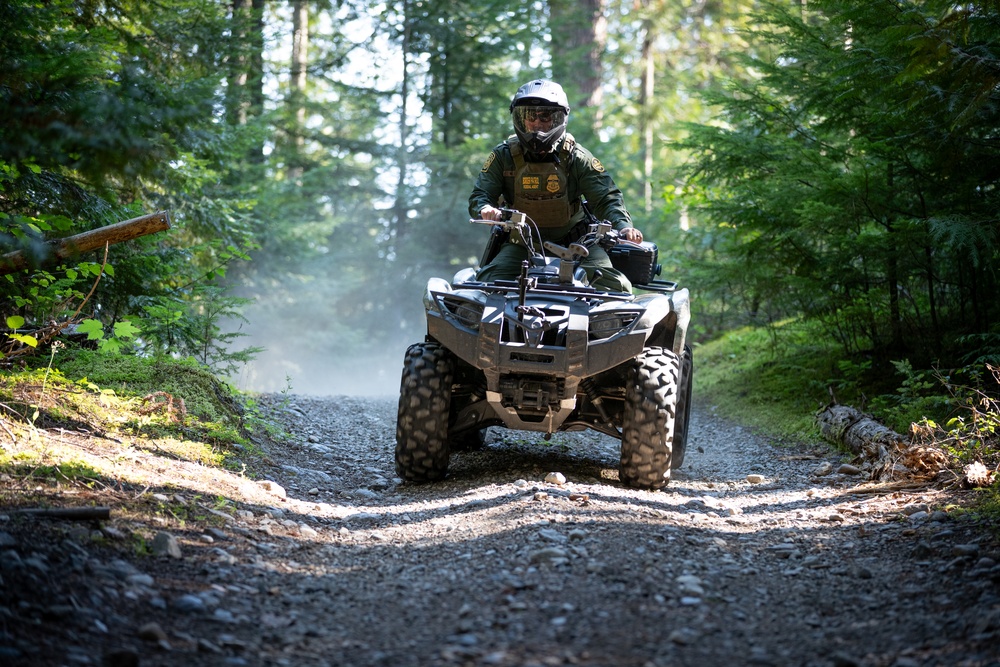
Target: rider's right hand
<point>491,213</point>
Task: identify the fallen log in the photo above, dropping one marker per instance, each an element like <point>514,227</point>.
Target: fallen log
<point>60,249</point>
<point>884,454</point>
<point>860,433</point>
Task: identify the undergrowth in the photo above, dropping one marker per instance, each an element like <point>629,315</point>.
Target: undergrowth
<point>776,379</point>
<point>772,381</point>
<point>175,410</point>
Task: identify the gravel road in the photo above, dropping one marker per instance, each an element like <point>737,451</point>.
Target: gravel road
<point>532,554</point>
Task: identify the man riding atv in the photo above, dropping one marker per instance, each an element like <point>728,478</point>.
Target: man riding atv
<point>547,336</point>
<point>542,171</point>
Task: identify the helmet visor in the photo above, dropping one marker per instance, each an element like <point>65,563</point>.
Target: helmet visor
<point>538,119</point>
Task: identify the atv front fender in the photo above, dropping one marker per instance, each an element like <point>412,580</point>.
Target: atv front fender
<point>666,319</point>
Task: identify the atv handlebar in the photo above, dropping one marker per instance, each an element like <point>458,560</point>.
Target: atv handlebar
<point>599,233</point>
<point>574,252</point>
<point>511,219</point>
<point>519,225</point>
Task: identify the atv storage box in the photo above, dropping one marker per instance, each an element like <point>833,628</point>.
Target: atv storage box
<point>637,261</point>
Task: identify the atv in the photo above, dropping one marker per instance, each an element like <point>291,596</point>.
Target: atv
<point>548,352</point>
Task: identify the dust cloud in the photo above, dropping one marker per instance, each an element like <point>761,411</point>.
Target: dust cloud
<point>275,370</point>
<point>323,366</point>
<point>309,349</point>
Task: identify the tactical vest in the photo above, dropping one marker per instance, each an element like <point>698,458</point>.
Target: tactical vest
<point>540,188</point>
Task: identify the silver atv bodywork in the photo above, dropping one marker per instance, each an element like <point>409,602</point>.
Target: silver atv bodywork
<point>533,362</point>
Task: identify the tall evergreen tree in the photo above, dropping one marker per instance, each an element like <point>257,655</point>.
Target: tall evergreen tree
<point>852,181</point>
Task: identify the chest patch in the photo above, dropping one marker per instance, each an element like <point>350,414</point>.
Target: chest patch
<point>552,183</point>
<point>530,182</point>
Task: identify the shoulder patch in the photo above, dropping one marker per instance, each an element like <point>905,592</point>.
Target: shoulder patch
<point>489,161</point>
<point>596,164</point>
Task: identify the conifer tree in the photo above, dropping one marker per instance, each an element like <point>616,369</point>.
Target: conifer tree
<point>852,181</point>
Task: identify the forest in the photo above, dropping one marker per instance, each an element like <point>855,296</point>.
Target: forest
<point>827,162</point>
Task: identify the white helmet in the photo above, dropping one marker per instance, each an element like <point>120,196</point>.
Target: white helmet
<point>539,100</point>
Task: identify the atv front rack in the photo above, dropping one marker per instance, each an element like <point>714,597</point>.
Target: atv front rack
<point>505,286</point>
<point>661,286</point>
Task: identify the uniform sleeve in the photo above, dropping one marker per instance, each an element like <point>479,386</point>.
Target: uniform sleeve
<point>602,195</point>
<point>489,183</point>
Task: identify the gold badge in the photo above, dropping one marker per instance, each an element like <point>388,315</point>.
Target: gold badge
<point>552,183</point>
<point>596,164</point>
<point>489,161</point>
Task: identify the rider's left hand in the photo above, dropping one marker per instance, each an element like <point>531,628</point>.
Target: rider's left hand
<point>631,234</point>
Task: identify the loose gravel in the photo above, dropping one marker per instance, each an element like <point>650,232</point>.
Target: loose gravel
<point>530,553</point>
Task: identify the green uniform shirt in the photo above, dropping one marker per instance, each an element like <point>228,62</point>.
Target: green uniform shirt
<point>585,176</point>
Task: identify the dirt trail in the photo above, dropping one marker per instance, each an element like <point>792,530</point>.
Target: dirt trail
<point>749,557</point>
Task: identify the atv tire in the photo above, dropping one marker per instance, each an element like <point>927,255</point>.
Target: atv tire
<point>648,422</point>
<point>683,422</point>
<point>422,447</point>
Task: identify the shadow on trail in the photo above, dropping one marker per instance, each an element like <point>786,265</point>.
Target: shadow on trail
<point>512,580</point>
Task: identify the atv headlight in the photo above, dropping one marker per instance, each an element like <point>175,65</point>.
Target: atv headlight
<point>464,312</point>
<point>607,324</point>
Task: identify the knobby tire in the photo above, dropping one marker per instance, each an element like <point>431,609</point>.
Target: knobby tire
<point>422,448</point>
<point>648,424</point>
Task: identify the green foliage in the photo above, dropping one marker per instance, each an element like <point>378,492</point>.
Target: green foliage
<point>15,322</point>
<point>199,334</point>
<point>989,507</point>
<point>254,422</point>
<point>94,330</point>
<point>773,379</point>
<point>920,395</point>
<point>970,429</point>
<point>51,295</point>
<point>776,378</point>
<point>982,348</point>
<point>852,179</point>
<point>71,470</point>
<point>113,115</point>
<point>696,48</point>
<point>104,425</point>
<point>137,377</point>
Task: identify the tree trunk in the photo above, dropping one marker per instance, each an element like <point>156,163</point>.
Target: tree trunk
<point>885,454</point>
<point>245,75</point>
<point>255,76</point>
<point>297,93</point>
<point>932,300</point>
<point>61,249</point>
<point>236,81</point>
<point>646,108</point>
<point>401,205</point>
<point>892,277</point>
<point>579,35</point>
<point>300,60</point>
<point>862,435</point>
